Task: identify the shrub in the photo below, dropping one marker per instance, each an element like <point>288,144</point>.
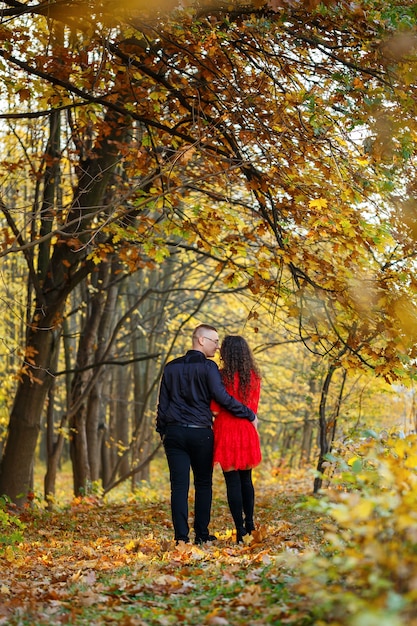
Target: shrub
<point>11,527</point>
<point>366,573</point>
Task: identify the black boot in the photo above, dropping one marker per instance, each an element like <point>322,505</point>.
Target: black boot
<point>240,533</point>
<point>249,526</point>
<point>205,539</point>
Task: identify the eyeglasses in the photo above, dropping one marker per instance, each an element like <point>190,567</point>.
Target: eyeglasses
<point>216,341</point>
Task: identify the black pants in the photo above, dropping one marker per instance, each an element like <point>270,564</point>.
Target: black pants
<point>241,498</point>
<point>185,449</point>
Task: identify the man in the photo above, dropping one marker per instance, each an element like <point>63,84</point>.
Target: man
<point>184,422</point>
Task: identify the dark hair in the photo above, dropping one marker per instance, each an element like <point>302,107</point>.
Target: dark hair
<point>237,357</point>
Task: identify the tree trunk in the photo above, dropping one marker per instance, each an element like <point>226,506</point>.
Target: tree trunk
<point>56,442</point>
<point>54,456</point>
<point>80,394</point>
<point>88,420</point>
<point>144,390</point>
<point>122,383</point>
<point>323,443</point>
<point>308,425</point>
<point>96,417</point>
<point>327,427</point>
<point>105,457</point>
<point>24,425</point>
<point>105,468</point>
<point>306,439</point>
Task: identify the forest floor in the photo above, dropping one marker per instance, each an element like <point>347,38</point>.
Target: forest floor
<point>115,562</point>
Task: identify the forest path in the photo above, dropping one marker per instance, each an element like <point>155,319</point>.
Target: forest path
<point>116,563</point>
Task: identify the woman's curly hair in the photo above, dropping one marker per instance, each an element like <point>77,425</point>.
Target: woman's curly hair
<point>237,357</point>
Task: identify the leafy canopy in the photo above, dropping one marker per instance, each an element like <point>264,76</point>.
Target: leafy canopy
<point>277,137</point>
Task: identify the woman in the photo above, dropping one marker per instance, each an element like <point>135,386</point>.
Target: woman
<point>236,441</point>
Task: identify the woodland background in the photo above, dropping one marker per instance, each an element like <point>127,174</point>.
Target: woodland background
<point>252,168</point>
<point>249,165</point>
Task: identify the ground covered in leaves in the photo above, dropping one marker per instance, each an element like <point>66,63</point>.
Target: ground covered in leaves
<point>115,562</point>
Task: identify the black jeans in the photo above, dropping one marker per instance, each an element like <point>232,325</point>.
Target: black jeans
<point>241,498</point>
<point>187,448</point>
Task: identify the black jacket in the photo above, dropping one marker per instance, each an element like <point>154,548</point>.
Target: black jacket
<point>188,385</point>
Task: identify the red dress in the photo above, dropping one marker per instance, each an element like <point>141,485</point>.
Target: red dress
<point>236,440</point>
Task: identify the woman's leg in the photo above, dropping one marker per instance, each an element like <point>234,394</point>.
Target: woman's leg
<point>248,498</point>
<point>234,499</point>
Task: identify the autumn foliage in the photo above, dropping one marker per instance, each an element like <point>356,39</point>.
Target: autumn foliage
<point>366,570</point>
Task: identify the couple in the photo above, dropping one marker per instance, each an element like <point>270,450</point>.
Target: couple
<point>192,390</point>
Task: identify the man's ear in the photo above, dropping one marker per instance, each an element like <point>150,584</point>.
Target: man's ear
<point>197,341</point>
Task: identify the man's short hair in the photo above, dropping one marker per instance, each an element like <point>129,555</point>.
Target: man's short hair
<point>202,328</point>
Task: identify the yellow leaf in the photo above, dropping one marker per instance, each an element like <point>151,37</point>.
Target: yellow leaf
<point>401,448</point>
<point>9,554</point>
<point>362,161</point>
<point>411,461</point>
<point>363,510</point>
<point>341,514</point>
<point>405,521</point>
<point>353,459</point>
<point>320,203</point>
